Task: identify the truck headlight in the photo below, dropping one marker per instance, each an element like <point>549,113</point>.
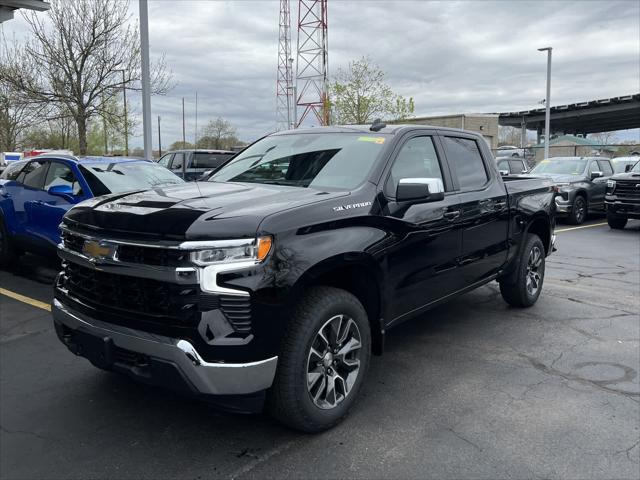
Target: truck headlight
<point>221,256</point>
<point>611,186</point>
<point>231,251</point>
<point>561,187</point>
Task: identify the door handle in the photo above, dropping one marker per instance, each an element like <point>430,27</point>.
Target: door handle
<point>500,206</point>
<point>451,215</point>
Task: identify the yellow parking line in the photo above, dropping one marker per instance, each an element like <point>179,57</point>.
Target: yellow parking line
<point>21,298</point>
<point>584,226</point>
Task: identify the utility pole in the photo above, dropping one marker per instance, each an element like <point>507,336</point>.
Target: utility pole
<point>159,139</point>
<point>126,121</point>
<point>146,79</point>
<point>104,128</point>
<point>547,114</point>
<point>195,137</point>
<point>183,138</point>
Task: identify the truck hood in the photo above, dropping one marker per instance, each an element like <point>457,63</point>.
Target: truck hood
<point>564,178</point>
<point>196,210</point>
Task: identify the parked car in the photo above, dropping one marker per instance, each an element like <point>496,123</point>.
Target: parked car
<point>623,197</point>
<point>279,276</point>
<point>623,164</point>
<point>195,163</point>
<point>511,166</point>
<point>580,184</point>
<point>6,158</point>
<point>36,193</point>
<point>510,151</point>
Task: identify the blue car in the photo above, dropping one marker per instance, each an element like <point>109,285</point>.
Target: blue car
<point>36,193</point>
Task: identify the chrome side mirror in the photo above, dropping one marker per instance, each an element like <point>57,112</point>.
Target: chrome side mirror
<point>504,172</point>
<point>420,190</point>
<point>595,175</point>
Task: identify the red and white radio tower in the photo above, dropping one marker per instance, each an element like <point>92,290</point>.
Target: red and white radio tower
<point>311,67</point>
<point>285,101</point>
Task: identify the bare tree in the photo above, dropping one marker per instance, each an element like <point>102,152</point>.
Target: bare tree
<point>76,57</point>
<point>603,138</point>
<point>509,136</point>
<point>217,134</point>
<point>16,115</point>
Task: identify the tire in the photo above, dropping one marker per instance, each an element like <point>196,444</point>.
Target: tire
<point>303,374</point>
<point>578,211</point>
<point>8,253</point>
<point>616,222</point>
<point>522,288</point>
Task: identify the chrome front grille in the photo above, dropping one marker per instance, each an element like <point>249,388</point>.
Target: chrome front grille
<point>150,283</point>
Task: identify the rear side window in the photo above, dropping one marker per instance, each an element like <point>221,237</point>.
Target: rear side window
<point>605,168</point>
<point>465,160</point>
<point>210,160</point>
<point>516,166</point>
<point>33,174</point>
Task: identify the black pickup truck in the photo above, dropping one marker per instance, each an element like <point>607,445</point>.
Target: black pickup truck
<point>622,199</point>
<point>277,278</point>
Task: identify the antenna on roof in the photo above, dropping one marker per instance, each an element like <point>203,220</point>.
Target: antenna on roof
<point>377,125</point>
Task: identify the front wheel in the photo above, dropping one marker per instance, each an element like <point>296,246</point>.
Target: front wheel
<point>522,288</point>
<point>323,360</point>
<point>578,212</point>
<point>616,222</point>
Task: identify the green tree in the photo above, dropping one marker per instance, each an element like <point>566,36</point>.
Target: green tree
<point>359,95</point>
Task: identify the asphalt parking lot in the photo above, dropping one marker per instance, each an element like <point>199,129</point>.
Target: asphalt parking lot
<point>473,389</point>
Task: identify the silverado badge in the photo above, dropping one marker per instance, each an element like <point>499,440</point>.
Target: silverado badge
<point>340,208</point>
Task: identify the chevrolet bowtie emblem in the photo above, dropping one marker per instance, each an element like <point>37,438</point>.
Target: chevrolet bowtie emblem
<point>95,250</point>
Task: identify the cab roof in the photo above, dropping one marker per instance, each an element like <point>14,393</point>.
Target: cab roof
<point>390,129</point>
<point>86,159</point>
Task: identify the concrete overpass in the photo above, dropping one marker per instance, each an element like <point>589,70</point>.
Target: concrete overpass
<point>605,115</point>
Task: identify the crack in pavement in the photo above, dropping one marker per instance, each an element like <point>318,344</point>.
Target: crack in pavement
<point>24,432</point>
<point>570,376</point>
<point>461,437</point>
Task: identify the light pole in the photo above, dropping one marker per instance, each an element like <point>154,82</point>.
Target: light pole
<point>146,79</point>
<point>126,122</point>
<point>547,114</point>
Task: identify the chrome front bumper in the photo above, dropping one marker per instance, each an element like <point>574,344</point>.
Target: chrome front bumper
<point>204,377</point>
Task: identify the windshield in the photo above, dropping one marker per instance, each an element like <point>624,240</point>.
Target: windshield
<point>105,178</point>
<point>566,166</point>
<point>636,168</point>
<point>619,165</point>
<point>321,160</point>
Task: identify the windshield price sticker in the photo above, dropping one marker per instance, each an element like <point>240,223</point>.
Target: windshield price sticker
<point>377,140</point>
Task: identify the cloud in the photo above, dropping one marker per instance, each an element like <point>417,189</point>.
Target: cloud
<point>452,57</point>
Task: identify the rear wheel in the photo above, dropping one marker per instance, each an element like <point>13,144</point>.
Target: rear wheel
<point>615,221</point>
<point>323,360</point>
<point>522,288</point>
<point>578,211</point>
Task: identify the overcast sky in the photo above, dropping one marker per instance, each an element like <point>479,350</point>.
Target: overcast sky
<point>451,57</point>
